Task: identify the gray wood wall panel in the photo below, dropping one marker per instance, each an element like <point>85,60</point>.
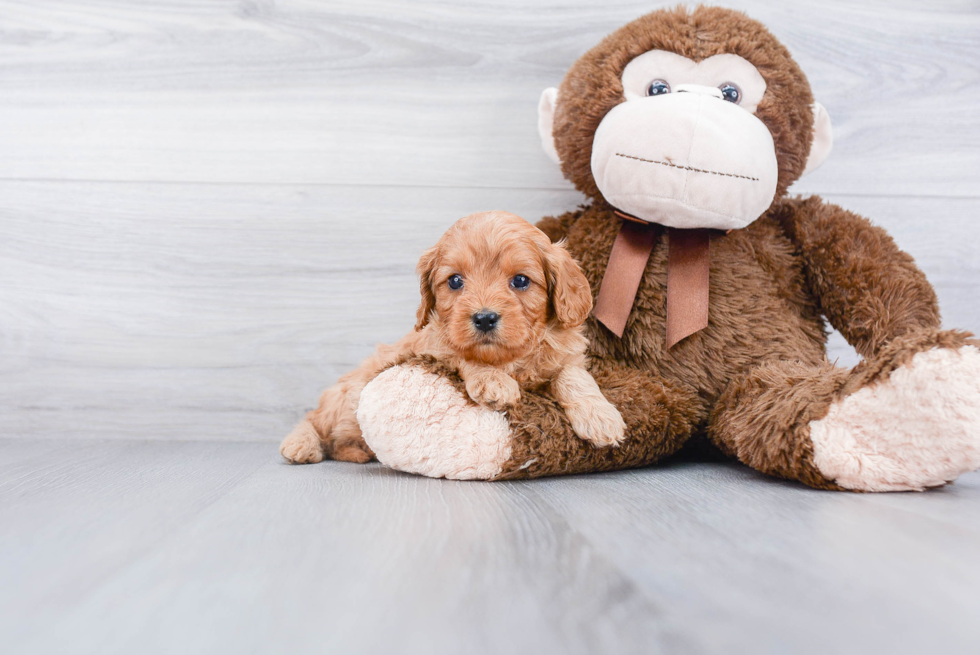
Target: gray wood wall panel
<point>426,93</point>
<point>210,210</point>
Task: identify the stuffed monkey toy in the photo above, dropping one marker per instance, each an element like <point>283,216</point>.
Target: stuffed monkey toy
<point>685,128</point>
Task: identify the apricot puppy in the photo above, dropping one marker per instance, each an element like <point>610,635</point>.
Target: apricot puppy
<point>501,305</point>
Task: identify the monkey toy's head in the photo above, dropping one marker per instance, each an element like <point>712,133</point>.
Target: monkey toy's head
<point>688,119</point>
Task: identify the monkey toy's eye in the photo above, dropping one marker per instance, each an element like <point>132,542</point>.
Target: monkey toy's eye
<point>455,282</point>
<point>730,92</point>
<point>520,282</point>
<point>658,88</point>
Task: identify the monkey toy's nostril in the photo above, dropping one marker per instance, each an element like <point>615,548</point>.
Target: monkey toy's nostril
<point>485,320</point>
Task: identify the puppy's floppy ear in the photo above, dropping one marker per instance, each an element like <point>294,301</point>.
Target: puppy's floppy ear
<point>425,268</point>
<point>568,287</point>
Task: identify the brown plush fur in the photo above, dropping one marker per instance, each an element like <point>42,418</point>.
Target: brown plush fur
<point>757,375</point>
<point>763,417</point>
<point>851,277</point>
<point>537,341</point>
<point>759,369</point>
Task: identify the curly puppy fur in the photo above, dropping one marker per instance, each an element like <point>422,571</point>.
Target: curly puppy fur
<point>536,340</point>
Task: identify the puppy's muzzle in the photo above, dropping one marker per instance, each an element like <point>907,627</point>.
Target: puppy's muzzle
<point>485,320</point>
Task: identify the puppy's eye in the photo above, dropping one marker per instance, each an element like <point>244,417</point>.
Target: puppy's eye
<point>455,282</point>
<point>520,282</point>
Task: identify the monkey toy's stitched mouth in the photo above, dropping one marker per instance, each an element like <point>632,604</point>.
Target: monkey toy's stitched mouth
<point>687,168</point>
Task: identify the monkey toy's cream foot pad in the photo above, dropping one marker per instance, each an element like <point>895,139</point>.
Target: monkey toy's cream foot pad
<point>919,428</point>
<point>418,422</point>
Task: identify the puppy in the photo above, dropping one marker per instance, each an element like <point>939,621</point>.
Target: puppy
<point>501,305</point>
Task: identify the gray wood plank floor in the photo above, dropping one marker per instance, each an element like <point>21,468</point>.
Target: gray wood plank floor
<point>208,547</point>
<point>210,210</point>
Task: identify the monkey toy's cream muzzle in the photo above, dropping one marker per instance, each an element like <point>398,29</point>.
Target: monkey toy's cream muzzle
<point>687,159</point>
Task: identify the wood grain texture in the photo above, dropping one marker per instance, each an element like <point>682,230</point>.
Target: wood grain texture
<point>211,209</point>
<point>115,547</point>
<point>435,93</point>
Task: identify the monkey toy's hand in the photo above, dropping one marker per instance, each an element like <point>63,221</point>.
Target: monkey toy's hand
<point>417,418</point>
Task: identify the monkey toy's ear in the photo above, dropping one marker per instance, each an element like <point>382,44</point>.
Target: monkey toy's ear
<point>823,138</point>
<point>546,122</point>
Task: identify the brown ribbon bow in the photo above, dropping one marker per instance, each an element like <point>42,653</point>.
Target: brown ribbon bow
<point>688,259</point>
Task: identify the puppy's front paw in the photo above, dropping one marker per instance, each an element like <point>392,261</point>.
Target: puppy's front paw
<point>599,423</point>
<point>302,445</point>
<point>495,390</point>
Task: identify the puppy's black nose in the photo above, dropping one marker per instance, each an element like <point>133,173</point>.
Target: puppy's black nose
<point>485,320</point>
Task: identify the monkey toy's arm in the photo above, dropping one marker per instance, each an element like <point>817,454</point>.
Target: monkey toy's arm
<point>868,289</point>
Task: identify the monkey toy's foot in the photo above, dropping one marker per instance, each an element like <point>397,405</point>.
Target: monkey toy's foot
<point>915,427</point>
